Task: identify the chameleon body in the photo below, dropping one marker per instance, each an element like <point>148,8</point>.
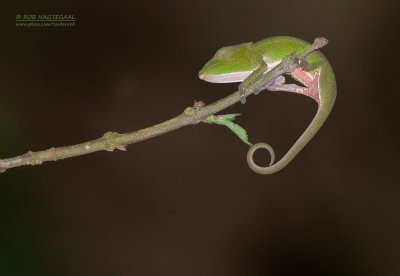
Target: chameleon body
<point>246,62</point>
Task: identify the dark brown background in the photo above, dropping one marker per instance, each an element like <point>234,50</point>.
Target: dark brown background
<point>186,203</point>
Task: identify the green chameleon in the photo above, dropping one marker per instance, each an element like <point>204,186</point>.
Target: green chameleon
<point>246,62</point>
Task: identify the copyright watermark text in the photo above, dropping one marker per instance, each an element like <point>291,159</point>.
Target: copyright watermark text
<point>45,20</point>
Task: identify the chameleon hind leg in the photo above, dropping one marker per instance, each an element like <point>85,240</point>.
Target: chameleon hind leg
<point>280,84</point>
<point>311,88</point>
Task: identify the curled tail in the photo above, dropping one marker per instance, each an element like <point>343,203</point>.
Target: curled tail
<point>319,119</point>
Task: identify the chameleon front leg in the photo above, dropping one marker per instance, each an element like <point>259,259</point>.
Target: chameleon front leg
<point>277,84</point>
<point>255,75</point>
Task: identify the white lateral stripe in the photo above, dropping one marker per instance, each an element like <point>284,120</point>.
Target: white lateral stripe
<point>234,76</point>
<point>228,77</point>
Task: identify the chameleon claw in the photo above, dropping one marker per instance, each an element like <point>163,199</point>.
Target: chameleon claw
<point>242,94</point>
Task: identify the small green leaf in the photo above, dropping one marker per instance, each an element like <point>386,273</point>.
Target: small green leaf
<point>229,117</point>
<point>226,120</point>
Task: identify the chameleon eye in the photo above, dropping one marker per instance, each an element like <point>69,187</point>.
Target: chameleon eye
<point>224,54</point>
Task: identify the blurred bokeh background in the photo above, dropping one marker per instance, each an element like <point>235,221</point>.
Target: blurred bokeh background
<point>186,203</point>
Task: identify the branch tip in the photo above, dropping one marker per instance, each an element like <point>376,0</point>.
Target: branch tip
<point>320,42</point>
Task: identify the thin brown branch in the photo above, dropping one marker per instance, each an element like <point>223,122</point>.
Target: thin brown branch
<point>191,115</point>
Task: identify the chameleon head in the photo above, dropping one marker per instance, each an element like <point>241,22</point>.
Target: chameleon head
<point>229,64</point>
